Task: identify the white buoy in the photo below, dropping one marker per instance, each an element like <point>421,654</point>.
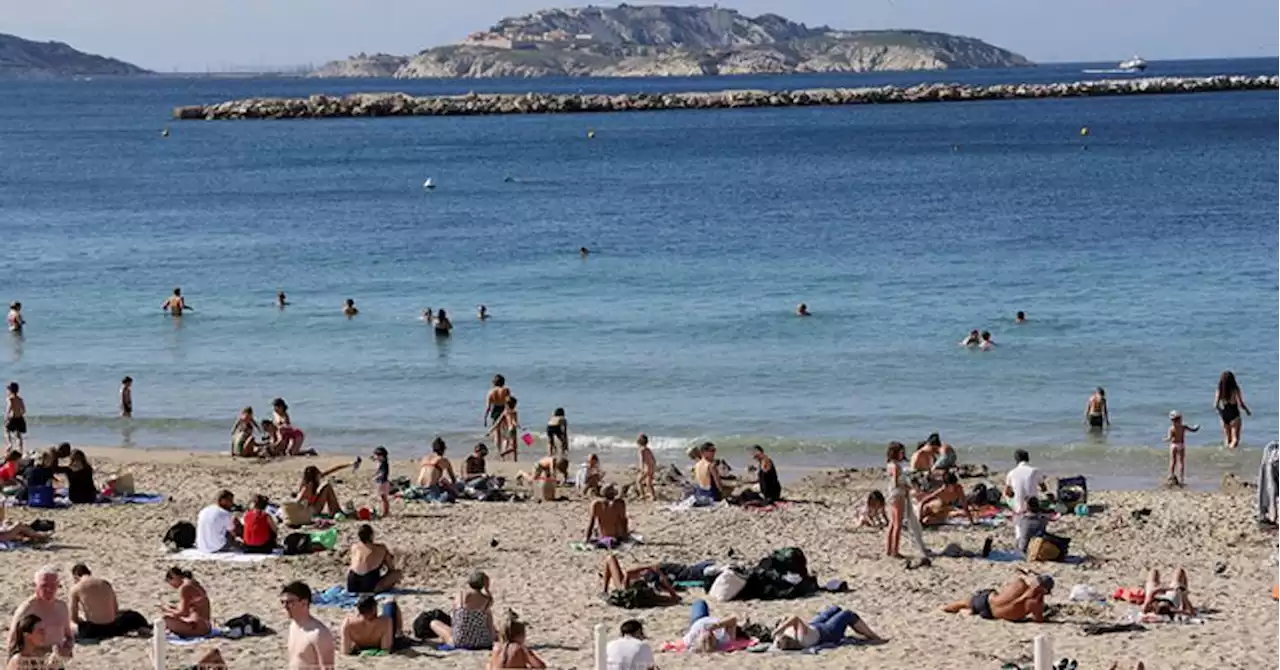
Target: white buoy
<point>428,184</point>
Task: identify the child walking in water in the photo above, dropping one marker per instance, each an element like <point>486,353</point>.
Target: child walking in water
<point>508,426</point>
<point>1177,439</point>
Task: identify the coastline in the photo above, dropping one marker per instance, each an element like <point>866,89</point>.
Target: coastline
<point>400,104</point>
<point>555,588</point>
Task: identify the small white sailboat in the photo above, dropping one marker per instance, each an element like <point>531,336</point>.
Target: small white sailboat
<point>1135,64</point>
<point>428,184</point>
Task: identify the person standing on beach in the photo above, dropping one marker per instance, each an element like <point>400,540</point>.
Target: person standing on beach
<point>1177,439</point>
<point>310,645</point>
<point>900,507</point>
<point>495,403</point>
<point>1095,411</point>
<point>382,479</point>
<point>648,465</point>
<point>509,425</point>
<point>15,320</point>
<point>126,397</point>
<point>175,304</point>
<point>1229,400</point>
<point>15,419</point>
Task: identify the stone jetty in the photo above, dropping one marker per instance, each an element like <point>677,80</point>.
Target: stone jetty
<point>472,104</point>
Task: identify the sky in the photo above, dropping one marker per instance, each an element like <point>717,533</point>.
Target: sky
<point>165,35</point>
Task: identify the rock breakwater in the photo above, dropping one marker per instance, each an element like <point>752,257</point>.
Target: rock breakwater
<point>472,104</point>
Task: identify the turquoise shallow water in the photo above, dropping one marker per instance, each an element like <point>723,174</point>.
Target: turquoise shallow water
<point>1145,255</point>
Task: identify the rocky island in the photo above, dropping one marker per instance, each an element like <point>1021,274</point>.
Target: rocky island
<point>22,58</point>
<point>654,40</point>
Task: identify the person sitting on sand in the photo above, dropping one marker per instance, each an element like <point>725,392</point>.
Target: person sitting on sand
<point>629,651</point>
<point>216,529</point>
<point>260,535</point>
<point>615,578</point>
<point>9,470</point>
<point>610,514</point>
<point>1021,598</point>
<point>472,626</point>
<point>922,458</point>
<point>51,611</point>
<point>766,475</point>
<point>935,508</point>
<point>79,474</point>
<point>373,628</point>
<point>873,512</point>
<point>707,633</point>
<point>944,455</point>
<point>474,465</point>
<point>590,476</point>
<point>192,617</point>
<point>1167,601</point>
<point>706,476</point>
<point>510,651</point>
<point>373,566</point>
<point>30,648</point>
<point>317,494</point>
<point>242,436</point>
<point>828,627</point>
<point>95,612</point>
<point>432,474</point>
<point>310,645</point>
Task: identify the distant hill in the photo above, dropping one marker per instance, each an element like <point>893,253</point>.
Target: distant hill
<point>659,40</point>
<point>26,58</point>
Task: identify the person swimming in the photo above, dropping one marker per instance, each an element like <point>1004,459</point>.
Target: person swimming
<point>802,310</point>
<point>972,339</point>
<point>349,308</point>
<point>986,343</point>
<point>1020,317</point>
<point>482,313</point>
<point>442,324</point>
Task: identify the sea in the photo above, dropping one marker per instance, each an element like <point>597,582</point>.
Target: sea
<point>1138,234</point>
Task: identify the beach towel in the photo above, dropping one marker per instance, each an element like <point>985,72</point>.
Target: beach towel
<point>340,597</point>
<point>608,543</point>
<point>188,641</point>
<point>735,645</point>
<point>224,557</point>
<point>137,499</point>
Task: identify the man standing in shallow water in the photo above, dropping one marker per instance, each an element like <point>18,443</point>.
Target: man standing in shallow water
<point>175,305</point>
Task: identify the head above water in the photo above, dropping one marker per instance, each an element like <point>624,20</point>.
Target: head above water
<point>986,335</point>
<point>1021,456</point>
<point>1020,316</point>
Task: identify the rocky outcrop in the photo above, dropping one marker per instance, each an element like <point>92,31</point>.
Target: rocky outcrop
<point>400,104</point>
<point>25,58</point>
<point>678,41</point>
<point>362,65</point>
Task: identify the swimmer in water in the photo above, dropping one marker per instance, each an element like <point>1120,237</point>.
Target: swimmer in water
<point>986,344</point>
<point>802,310</point>
<point>482,313</point>
<point>349,309</point>
<point>281,300</point>
<point>972,339</point>
<point>1020,317</point>
<point>1095,411</point>
<point>16,322</point>
<point>428,317</point>
<point>443,325</point>
<point>175,305</point>
<point>584,252</point>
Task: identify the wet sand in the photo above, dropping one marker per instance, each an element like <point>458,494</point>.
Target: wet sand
<point>555,589</point>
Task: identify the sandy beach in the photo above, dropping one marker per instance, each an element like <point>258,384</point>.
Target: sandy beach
<point>555,589</point>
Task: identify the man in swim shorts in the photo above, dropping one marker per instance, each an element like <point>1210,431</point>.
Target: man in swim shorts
<point>1019,599</point>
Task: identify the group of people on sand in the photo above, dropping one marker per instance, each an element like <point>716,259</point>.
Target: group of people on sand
<point>279,437</point>
<point>24,475</point>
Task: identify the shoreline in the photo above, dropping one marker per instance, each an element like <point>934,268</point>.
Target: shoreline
<point>401,104</point>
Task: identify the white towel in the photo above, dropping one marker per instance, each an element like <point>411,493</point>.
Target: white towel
<point>225,556</point>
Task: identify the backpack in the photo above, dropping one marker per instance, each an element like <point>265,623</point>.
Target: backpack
<point>296,544</point>
<point>181,535</point>
<point>637,594</point>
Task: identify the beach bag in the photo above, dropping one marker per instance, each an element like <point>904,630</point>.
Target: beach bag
<point>296,544</point>
<point>1048,547</point>
<point>727,586</point>
<point>295,514</point>
<point>422,623</point>
<point>636,595</point>
<point>181,535</point>
<point>122,485</point>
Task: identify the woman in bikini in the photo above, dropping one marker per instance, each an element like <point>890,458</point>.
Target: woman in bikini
<point>510,651</point>
<point>495,403</point>
<point>899,504</point>
<point>290,437</point>
<point>192,617</point>
<point>1229,400</point>
<point>1095,411</point>
<point>318,494</point>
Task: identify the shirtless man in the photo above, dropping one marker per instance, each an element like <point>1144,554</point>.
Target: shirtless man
<point>648,465</point>
<point>367,628</point>
<point>175,304</point>
<point>706,476</point>
<point>349,308</point>
<point>373,567</point>
<point>1019,599</point>
<point>1177,439</point>
<point>431,475</point>
<point>310,641</point>
<point>936,507</point>
<point>922,459</point>
<point>53,613</point>
<point>94,609</point>
<point>610,515</point>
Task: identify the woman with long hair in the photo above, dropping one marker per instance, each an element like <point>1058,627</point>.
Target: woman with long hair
<point>317,494</point>
<point>1229,400</point>
<point>899,504</point>
<point>30,651</point>
<point>192,617</point>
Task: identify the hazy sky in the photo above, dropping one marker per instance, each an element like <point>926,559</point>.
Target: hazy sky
<point>164,34</point>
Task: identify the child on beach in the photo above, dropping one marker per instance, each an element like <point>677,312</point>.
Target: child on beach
<point>126,397</point>
<point>1177,439</point>
<point>382,479</point>
<point>508,426</point>
<point>872,514</point>
<point>15,418</point>
<point>648,464</point>
<point>557,431</point>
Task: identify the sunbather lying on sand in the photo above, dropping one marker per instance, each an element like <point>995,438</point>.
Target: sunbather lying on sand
<point>708,633</point>
<point>1167,600</point>
<point>1019,599</point>
<point>827,628</point>
<point>617,578</point>
<point>21,533</point>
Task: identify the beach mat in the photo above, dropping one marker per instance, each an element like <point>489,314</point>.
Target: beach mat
<point>340,597</point>
<point>223,557</point>
<point>188,641</point>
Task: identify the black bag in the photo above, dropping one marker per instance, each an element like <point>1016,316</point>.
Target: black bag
<point>636,595</point>
<point>245,625</point>
<point>422,623</point>
<point>297,544</point>
<point>181,535</point>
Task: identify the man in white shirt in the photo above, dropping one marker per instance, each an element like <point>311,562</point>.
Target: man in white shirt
<point>629,652</point>
<point>1022,484</point>
<point>216,528</point>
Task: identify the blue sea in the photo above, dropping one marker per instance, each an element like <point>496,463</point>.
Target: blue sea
<point>1144,254</point>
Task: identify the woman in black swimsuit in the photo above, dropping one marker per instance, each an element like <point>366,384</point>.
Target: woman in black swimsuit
<point>1229,400</point>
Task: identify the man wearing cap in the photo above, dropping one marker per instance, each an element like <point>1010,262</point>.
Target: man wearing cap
<point>1019,599</point>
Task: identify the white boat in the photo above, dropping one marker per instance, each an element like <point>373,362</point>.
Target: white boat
<point>428,184</point>
<point>1134,64</point>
